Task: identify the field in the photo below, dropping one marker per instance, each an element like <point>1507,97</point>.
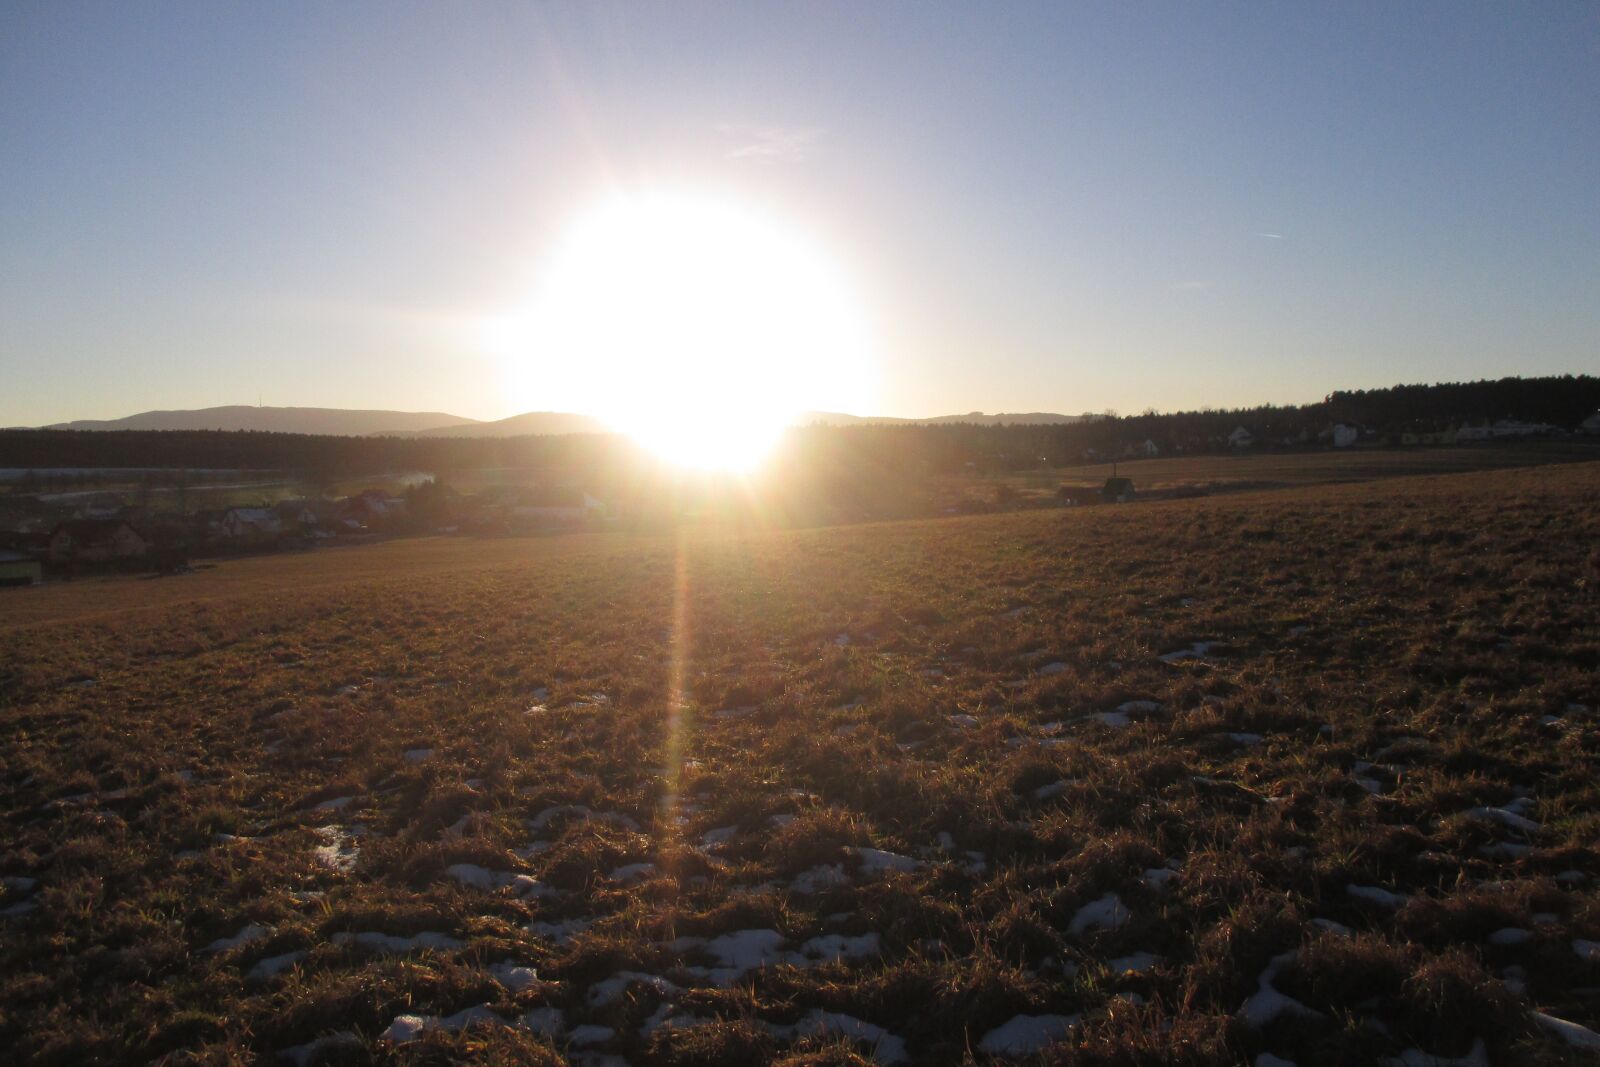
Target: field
<point>1307,774</point>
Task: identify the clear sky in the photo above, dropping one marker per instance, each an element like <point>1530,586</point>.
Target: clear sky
<point>1054,207</point>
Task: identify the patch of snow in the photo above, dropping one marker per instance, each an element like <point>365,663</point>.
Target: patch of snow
<point>590,1034</point>
<point>632,872</point>
<point>547,1021</point>
<point>19,883</point>
<point>1504,850</point>
<point>1057,667</point>
<point>1508,936</point>
<point>1107,913</point>
<point>819,878</point>
<point>1588,951</point>
<point>336,804</point>
<point>1573,1034</point>
<point>1115,719</point>
<point>747,950</point>
<point>407,1028</point>
<point>338,851</point>
<point>832,948</point>
<point>1376,895</point>
<point>611,989</point>
<point>274,965</point>
<point>842,640</point>
<point>1333,927</point>
<point>476,877</point>
<point>1054,789</point>
<point>962,722</point>
<point>1266,1003</point>
<point>418,755</point>
<point>1136,707</point>
<point>311,1051</point>
<point>373,941</point>
<point>877,861</point>
<point>1024,1035</point>
<point>1244,738</point>
<point>1157,877</point>
<point>247,934</point>
<point>886,1047</point>
<point>514,976</point>
<point>1505,817</point>
<point>720,836</point>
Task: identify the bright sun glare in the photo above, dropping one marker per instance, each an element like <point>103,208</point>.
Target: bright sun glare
<point>698,326</point>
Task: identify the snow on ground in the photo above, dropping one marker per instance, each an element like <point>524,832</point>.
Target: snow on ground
<point>886,1047</point>
<point>1373,894</point>
<point>1334,927</point>
<point>611,989</point>
<point>579,812</point>
<point>273,966</point>
<point>418,755</point>
<point>1573,1034</point>
<point>1505,816</point>
<point>562,932</point>
<point>338,850</point>
<point>1107,913</point>
<point>1139,707</point>
<point>1588,951</point>
<point>1508,936</point>
<point>476,877</point>
<point>516,977</point>
<point>1054,789</point>
<point>719,836</point>
<point>336,804</point>
<point>1267,1059</point>
<point>547,1021</point>
<point>877,861</point>
<point>632,872</point>
<point>1477,1056</point>
<point>1266,1003</point>
<point>819,878</point>
<point>1198,650</point>
<point>247,934</point>
<point>1158,877</point>
<point>373,941</point>
<point>1025,1035</point>
<point>312,1051</point>
<point>407,1028</point>
<point>1115,719</point>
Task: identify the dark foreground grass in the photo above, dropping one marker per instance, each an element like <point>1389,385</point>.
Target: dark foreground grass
<point>934,776</point>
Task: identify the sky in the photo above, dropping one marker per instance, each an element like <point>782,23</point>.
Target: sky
<point>1052,207</point>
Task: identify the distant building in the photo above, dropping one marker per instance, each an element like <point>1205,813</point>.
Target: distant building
<point>1591,424</point>
<point>19,568</point>
<point>555,506</point>
<point>1149,449</point>
<point>1345,436</point>
<point>96,541</point>
<point>1241,438</point>
<point>251,525</point>
<point>1117,490</point>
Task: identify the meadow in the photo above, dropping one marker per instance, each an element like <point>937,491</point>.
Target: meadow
<point>1301,776</point>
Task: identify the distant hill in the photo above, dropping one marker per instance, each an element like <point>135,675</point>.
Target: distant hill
<point>342,422</point>
<point>339,422</point>
<point>532,422</point>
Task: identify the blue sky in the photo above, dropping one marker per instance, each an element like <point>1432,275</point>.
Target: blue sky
<point>1040,207</point>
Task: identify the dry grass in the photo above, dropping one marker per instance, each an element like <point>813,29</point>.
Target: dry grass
<point>1388,657</point>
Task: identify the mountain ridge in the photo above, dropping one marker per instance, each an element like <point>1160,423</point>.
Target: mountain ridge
<point>369,422</point>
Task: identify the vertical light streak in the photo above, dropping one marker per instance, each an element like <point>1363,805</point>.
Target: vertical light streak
<point>677,695</point>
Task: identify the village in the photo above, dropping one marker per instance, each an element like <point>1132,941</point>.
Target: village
<point>104,533</point>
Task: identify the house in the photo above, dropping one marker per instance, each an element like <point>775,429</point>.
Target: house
<point>251,525</point>
<point>1345,436</point>
<point>298,515</point>
<point>1241,438</point>
<point>1117,490</point>
<point>555,506</point>
<point>1472,433</point>
<point>19,568</point>
<point>1591,424</point>
<point>1149,449</point>
<point>95,541</point>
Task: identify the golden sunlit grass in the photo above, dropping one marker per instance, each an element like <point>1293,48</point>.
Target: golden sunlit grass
<point>700,326</point>
<point>1390,659</point>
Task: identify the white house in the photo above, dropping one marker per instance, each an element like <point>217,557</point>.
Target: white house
<point>1345,436</point>
<point>1591,424</point>
<point>251,524</point>
<point>1241,438</point>
<point>1149,448</point>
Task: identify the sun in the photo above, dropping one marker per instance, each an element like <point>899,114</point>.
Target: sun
<point>698,325</point>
